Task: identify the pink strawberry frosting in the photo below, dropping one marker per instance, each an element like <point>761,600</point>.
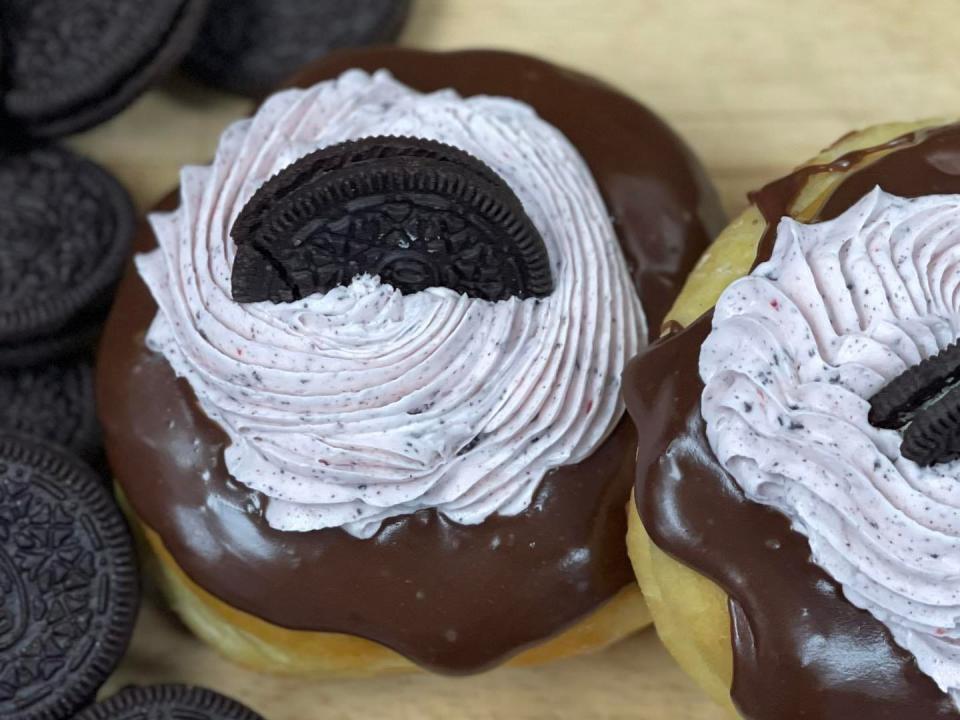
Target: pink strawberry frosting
<point>351,407</point>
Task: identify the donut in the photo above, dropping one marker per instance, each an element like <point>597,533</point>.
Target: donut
<point>360,389</point>
<point>794,524</point>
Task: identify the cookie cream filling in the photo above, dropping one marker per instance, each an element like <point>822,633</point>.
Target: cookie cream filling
<point>351,407</point>
<point>796,350</point>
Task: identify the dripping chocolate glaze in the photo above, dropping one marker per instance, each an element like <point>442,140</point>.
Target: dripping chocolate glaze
<point>800,649</point>
<point>450,597</point>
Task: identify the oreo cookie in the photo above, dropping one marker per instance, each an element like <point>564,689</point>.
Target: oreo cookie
<point>53,402</point>
<point>66,228</point>
<point>251,46</point>
<point>417,213</point>
<point>899,400</point>
<point>926,399</point>
<point>71,65</point>
<point>168,702</point>
<point>68,582</point>
<point>934,435</point>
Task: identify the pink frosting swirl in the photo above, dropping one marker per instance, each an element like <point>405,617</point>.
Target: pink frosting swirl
<point>797,349</point>
<point>361,404</point>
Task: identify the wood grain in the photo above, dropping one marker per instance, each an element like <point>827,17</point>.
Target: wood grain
<point>755,86</point>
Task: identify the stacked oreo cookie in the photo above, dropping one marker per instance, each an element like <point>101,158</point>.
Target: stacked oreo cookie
<point>67,66</point>
<point>69,588</point>
<point>65,231</point>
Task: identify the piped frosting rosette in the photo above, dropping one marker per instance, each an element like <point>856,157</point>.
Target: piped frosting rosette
<point>796,350</point>
<point>347,408</point>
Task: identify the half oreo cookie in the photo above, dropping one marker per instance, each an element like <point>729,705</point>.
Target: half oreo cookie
<point>68,582</point>
<point>66,227</point>
<point>900,399</point>
<point>168,702</point>
<point>251,46</point>
<point>417,213</point>
<point>925,401</point>
<point>71,65</point>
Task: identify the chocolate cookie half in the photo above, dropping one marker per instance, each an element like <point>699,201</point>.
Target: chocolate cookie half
<point>925,400</point>
<point>731,519</point>
<point>417,213</point>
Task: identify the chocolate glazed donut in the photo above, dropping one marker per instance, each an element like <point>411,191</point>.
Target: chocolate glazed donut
<point>496,587</point>
<point>801,650</point>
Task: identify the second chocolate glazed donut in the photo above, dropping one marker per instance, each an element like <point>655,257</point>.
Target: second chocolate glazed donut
<point>780,637</point>
<point>449,597</point>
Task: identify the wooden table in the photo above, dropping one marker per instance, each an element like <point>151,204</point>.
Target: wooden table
<point>756,86</point>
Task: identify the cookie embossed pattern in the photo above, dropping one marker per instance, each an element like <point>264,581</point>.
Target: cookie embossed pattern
<point>53,401</point>
<point>69,590</point>
<point>72,65</point>
<point>798,348</point>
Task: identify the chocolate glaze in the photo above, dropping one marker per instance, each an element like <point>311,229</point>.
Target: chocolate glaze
<point>801,650</point>
<point>450,597</point>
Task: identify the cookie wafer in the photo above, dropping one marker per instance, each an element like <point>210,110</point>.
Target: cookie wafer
<point>68,582</point>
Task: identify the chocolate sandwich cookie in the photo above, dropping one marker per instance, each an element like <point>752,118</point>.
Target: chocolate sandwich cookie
<point>68,582</point>
<point>53,402</point>
<point>898,402</point>
<point>417,213</point>
<point>65,232</point>
<point>168,702</point>
<point>934,435</point>
<point>4,128</point>
<point>74,65</point>
<point>249,46</point>
<point>925,399</point>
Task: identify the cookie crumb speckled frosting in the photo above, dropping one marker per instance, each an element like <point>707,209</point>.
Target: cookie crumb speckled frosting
<point>349,407</point>
<point>797,349</point>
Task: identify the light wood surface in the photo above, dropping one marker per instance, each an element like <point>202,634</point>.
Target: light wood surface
<point>755,86</point>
